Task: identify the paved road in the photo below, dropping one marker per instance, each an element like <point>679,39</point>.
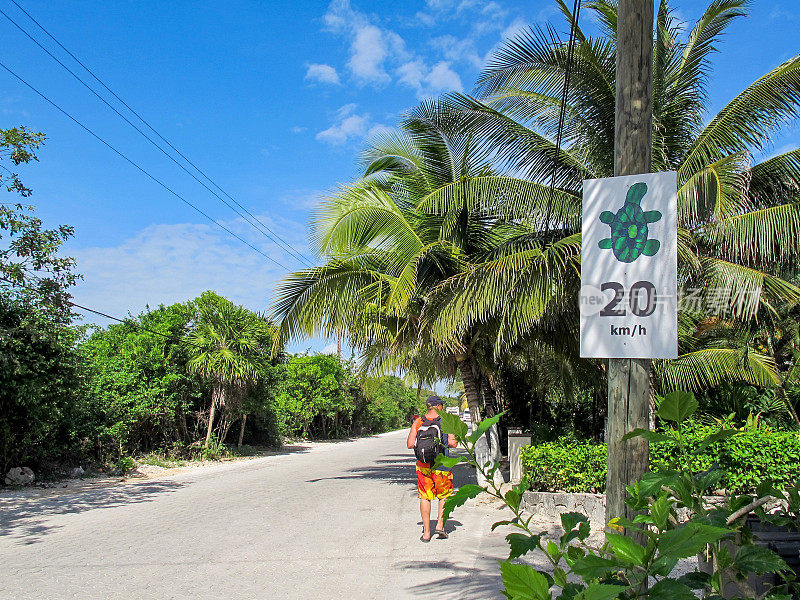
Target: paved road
<point>336,520</point>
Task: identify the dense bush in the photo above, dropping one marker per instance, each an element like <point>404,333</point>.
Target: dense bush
<point>137,385</point>
<point>42,416</point>
<point>748,459</point>
<point>566,464</point>
<point>316,396</point>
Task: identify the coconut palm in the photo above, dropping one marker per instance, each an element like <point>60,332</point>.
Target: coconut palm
<point>229,345</point>
<point>428,208</point>
<point>739,219</point>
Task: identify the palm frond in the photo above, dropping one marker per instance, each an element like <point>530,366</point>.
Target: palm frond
<point>707,368</point>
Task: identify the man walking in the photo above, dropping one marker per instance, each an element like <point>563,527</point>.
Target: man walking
<point>432,482</point>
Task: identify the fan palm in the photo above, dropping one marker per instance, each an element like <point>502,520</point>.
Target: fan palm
<point>739,219</point>
<point>229,345</point>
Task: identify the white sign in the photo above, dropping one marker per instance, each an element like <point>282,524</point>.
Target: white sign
<point>629,267</point>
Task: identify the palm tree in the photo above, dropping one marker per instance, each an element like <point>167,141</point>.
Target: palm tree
<point>427,208</point>
<point>739,219</point>
<point>229,345</point>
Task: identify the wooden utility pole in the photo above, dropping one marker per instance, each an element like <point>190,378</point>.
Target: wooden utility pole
<point>629,379</point>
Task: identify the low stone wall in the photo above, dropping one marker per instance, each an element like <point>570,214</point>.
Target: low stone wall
<point>548,506</point>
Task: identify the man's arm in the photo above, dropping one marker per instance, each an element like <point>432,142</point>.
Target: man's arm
<point>412,435</point>
<point>452,441</point>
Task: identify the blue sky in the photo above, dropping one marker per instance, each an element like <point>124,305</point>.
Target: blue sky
<point>273,100</point>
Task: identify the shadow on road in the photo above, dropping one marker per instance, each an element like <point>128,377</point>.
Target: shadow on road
<point>399,469</point>
<point>24,519</point>
<point>463,583</point>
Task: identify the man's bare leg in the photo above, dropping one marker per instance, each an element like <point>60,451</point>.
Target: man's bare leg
<point>440,519</point>
<point>425,512</point>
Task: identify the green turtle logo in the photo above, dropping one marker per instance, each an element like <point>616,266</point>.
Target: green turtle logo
<point>629,227</point>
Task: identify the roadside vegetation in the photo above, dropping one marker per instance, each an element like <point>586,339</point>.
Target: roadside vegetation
<point>200,379</point>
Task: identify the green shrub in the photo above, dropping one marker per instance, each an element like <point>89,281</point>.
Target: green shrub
<point>566,465</point>
<point>746,460</point>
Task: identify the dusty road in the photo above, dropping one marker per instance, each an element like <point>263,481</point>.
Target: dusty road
<point>335,521</point>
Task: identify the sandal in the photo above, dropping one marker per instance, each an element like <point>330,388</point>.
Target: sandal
<point>422,538</point>
<point>441,533</point>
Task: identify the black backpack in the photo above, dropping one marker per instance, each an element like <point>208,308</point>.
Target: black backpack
<point>428,444</point>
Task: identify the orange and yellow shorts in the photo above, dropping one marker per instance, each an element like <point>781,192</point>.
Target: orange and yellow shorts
<point>432,483</point>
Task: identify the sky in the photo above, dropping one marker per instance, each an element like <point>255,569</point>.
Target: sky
<point>273,101</point>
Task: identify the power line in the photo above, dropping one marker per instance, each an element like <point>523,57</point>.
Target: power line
<point>269,233</point>
<point>147,173</point>
<point>131,322</point>
<point>576,10</point>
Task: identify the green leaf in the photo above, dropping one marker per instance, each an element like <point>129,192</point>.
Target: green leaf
<point>671,589</point>
<point>592,566</point>
<point>714,438</point>
<point>696,580</point>
<point>521,543</point>
<point>513,498</point>
<point>501,523</point>
<point>650,483</point>
<point>452,424</point>
<point>758,559</point>
<point>660,510</point>
<point>560,577</point>
<point>625,548</point>
<point>677,406</point>
<point>523,582</point>
<point>689,540</point>
<point>447,461</point>
<point>570,519</point>
<point>483,427</point>
<point>553,551</point>
<point>601,591</point>
<point>650,436</point>
<point>464,493</point>
<point>663,565</point>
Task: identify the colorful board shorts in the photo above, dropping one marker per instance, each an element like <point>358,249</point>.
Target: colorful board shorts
<point>433,483</point>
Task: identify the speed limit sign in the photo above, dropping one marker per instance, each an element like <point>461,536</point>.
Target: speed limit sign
<point>629,267</point>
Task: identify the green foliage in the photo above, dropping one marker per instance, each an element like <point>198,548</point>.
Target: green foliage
<point>567,464</point>
<point>390,404</point>
<point>745,461</point>
<point>125,465</point>
<point>139,390</point>
<point>43,415</point>
<point>30,267</point>
<point>316,396</point>
<point>638,560</point>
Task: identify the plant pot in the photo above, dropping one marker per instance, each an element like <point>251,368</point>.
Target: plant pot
<point>782,540</point>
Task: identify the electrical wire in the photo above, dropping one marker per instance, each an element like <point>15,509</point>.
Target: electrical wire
<point>137,166</point>
<point>576,10</point>
<point>269,233</point>
<point>130,322</point>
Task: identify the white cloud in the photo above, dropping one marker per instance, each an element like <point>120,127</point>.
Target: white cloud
<point>517,26</point>
<point>347,125</point>
<point>322,73</point>
<point>331,348</point>
<point>443,79</point>
<point>378,130</point>
<point>373,49</point>
<point>483,17</point>
<point>369,51</point>
<point>458,50</point>
<point>164,264</point>
<point>298,129</point>
<point>412,74</point>
<point>427,81</point>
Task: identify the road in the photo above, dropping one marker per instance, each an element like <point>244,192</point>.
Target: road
<point>336,520</point>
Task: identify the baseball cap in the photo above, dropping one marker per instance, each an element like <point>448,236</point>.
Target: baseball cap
<point>435,401</point>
